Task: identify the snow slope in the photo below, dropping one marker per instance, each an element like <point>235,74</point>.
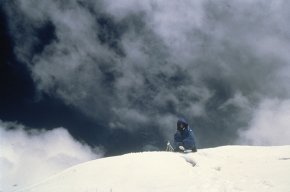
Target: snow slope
<point>229,168</point>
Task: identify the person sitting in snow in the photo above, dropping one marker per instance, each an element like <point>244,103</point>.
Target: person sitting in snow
<point>184,138</point>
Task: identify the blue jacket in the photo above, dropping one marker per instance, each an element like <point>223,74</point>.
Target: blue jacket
<point>184,138</point>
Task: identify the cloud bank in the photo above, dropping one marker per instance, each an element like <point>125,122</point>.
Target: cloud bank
<point>270,124</point>
<point>133,65</point>
<point>29,157</point>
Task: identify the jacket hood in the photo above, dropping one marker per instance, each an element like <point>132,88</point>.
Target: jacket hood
<point>182,120</point>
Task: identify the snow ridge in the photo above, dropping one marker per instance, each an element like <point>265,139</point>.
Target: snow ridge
<point>228,168</point>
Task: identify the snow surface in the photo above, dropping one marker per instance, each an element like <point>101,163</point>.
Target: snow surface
<point>228,168</point>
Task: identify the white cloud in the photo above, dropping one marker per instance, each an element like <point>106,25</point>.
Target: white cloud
<point>270,124</point>
<point>28,157</point>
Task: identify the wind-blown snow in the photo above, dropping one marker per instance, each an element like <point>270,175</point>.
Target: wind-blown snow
<point>229,168</point>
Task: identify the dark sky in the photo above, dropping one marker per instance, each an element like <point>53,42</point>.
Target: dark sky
<point>119,74</point>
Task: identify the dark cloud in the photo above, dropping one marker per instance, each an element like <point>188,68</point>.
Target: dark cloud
<point>135,67</point>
